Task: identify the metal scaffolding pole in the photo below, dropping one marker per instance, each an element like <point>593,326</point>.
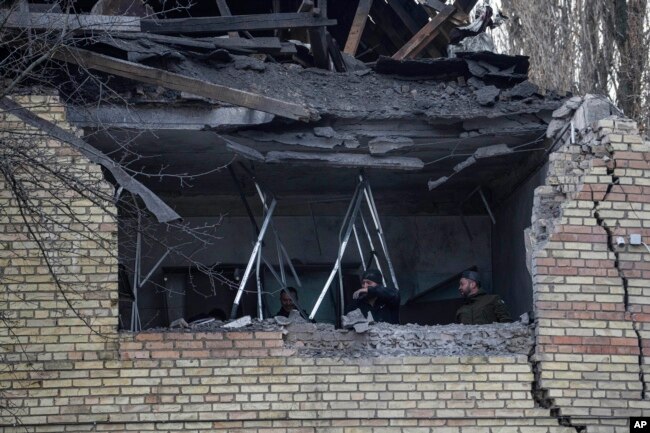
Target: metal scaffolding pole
<point>347,228</point>
<point>136,325</point>
<point>260,315</point>
<point>249,267</point>
<point>356,237</point>
<point>348,221</point>
<point>279,244</point>
<point>373,252</point>
<point>283,256</point>
<point>380,232</point>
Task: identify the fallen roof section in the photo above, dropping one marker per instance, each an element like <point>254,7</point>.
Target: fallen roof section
<point>154,204</point>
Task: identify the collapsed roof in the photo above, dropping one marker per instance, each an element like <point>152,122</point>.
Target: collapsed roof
<point>195,100</point>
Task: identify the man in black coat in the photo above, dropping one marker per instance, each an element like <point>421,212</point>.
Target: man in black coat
<point>374,297</point>
<point>287,297</point>
<point>479,308</point>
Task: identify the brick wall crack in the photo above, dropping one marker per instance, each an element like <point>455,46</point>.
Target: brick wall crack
<point>612,248</point>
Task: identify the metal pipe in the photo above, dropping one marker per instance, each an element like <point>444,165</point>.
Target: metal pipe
<point>293,270</point>
<point>380,231</point>
<point>280,261</point>
<point>153,269</point>
<point>135,319</point>
<point>249,267</point>
<point>249,211</point>
<point>351,214</point>
<point>275,274</point>
<point>487,206</point>
<point>262,197</point>
<point>356,237</point>
<point>372,248</point>
<point>260,315</point>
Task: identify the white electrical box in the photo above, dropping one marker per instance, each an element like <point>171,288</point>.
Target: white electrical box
<point>635,239</point>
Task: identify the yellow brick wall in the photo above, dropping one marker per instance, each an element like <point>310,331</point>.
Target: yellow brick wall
<point>59,306</point>
<point>65,367</point>
<point>588,291</point>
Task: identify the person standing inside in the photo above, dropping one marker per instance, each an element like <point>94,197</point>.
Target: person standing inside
<point>287,297</point>
<point>374,297</point>
<point>480,308</point>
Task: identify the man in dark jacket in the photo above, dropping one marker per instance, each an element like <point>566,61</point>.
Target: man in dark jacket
<point>480,308</point>
<point>287,296</point>
<point>374,297</point>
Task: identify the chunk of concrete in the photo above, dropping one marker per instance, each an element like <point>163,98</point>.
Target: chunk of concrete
<point>296,317</point>
<point>562,112</point>
<point>523,90</point>
<point>239,323</point>
<point>382,145</point>
<point>490,151</point>
<point>352,318</point>
<point>593,108</point>
<point>179,323</point>
<point>362,327</point>
<point>487,95</point>
<point>554,127</point>
<point>324,131</point>
<point>463,165</point>
<point>574,102</point>
<point>433,184</point>
<point>476,83</point>
<point>282,321</point>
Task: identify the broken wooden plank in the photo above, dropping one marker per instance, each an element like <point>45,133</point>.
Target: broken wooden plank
<point>319,50</point>
<point>266,45</point>
<point>348,160</point>
<point>235,23</point>
<point>426,34</point>
<point>335,53</point>
<point>121,7</point>
<point>411,24</point>
<point>156,206</point>
<point>384,18</point>
<point>166,40</point>
<point>358,24</point>
<point>73,22</point>
<point>170,80</point>
<point>224,10</point>
<point>436,69</point>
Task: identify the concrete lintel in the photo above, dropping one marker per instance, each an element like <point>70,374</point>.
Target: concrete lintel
<point>165,117</point>
<point>350,160</point>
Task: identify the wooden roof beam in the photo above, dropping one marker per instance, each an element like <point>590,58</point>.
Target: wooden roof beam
<point>411,25</point>
<point>170,80</point>
<point>223,24</point>
<point>358,24</point>
<point>74,22</point>
<point>224,10</point>
<point>426,34</point>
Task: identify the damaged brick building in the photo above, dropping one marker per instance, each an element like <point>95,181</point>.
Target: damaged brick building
<point>424,167</point>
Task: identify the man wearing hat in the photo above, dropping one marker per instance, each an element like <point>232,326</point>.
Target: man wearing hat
<point>479,308</point>
<point>374,297</point>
